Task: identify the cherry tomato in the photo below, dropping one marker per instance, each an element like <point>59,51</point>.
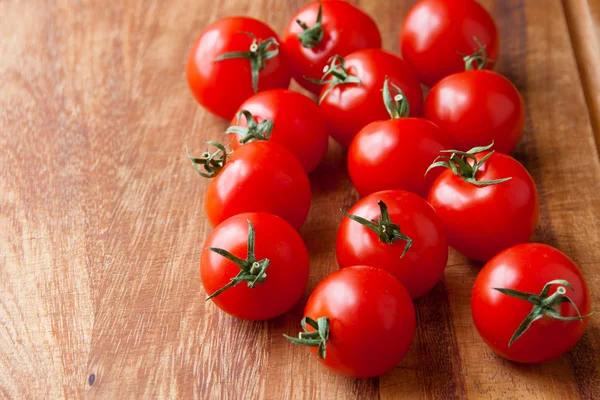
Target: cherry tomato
<point>259,176</point>
<point>287,118</point>
<point>395,154</point>
<point>407,239</point>
<point>489,205</point>
<point>360,321</point>
<point>474,107</point>
<point>352,97</point>
<point>342,29</point>
<point>503,303</point>
<point>231,60</point>
<point>254,266</point>
<point>436,34</point>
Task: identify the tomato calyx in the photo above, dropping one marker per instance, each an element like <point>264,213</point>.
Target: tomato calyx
<point>478,60</point>
<point>543,305</point>
<point>211,162</point>
<point>313,35</point>
<point>316,338</point>
<point>383,226</point>
<point>252,271</point>
<point>254,130</point>
<point>260,51</point>
<point>396,103</point>
<point>458,163</point>
<point>339,76</point>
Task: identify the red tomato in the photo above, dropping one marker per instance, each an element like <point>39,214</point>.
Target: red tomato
<point>481,220</point>
<point>407,239</point>
<point>361,322</point>
<point>498,315</point>
<point>395,154</point>
<point>259,176</point>
<point>352,98</point>
<point>288,118</point>
<point>221,85</point>
<point>343,28</point>
<point>475,107</point>
<point>269,279</point>
<point>436,34</point>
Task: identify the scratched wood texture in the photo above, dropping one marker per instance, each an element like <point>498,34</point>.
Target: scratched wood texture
<point>102,225</point>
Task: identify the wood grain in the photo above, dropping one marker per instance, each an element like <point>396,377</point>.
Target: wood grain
<point>102,225</point>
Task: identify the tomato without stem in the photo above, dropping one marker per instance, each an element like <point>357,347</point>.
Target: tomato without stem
<point>482,219</point>
<point>409,242</point>
<point>351,96</point>
<point>258,177</point>
<point>436,34</point>
<point>360,321</point>
<point>395,154</point>
<point>272,271</point>
<point>343,28</point>
<point>474,107</point>
<point>528,268</point>
<point>287,118</point>
<point>222,60</point>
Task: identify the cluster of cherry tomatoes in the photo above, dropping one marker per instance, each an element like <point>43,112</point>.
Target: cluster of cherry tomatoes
<point>431,174</point>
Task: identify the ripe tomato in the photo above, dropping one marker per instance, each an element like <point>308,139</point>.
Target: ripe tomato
<point>231,60</point>
<point>503,304</point>
<point>436,33</point>
<point>395,154</point>
<point>361,322</point>
<point>321,30</point>
<point>487,202</point>
<point>285,117</point>
<point>254,266</point>
<point>259,176</point>
<point>396,231</point>
<point>351,95</point>
<point>474,107</point>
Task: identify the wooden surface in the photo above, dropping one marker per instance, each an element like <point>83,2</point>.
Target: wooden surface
<point>101,217</point>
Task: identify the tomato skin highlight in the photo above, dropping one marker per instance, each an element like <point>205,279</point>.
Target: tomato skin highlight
<point>435,33</point>
<point>297,124</point>
<point>528,267</point>
<point>372,320</point>
<point>221,86</point>
<point>423,264</point>
<point>475,107</point>
<point>395,154</point>
<point>287,274</point>
<point>346,29</point>
<point>260,176</point>
<point>350,107</point>
<point>481,221</point>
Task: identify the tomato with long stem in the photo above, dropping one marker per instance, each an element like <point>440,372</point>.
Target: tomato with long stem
<point>530,303</point>
<point>322,29</point>
<point>487,201</point>
<point>359,321</point>
<point>254,266</point>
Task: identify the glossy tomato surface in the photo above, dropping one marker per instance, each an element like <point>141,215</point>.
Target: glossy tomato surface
<point>259,176</point>
<point>475,107</point>
<point>287,273</point>
<point>436,34</point>
<point>350,107</point>
<point>221,86</point>
<point>395,154</point>
<point>481,221</point>
<point>346,28</point>
<point>372,320</point>
<point>422,266</point>
<point>297,124</point>
<point>527,268</point>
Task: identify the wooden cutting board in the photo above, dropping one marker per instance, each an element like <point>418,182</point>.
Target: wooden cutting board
<point>102,223</point>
